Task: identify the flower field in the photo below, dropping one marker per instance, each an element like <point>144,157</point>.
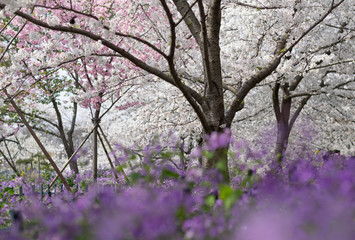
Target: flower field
<point>308,198</point>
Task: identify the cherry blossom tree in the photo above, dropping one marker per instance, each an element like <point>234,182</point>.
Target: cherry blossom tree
<point>215,59</point>
<point>86,84</point>
<point>41,118</point>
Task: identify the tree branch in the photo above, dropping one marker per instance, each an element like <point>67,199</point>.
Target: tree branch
<point>204,46</point>
<point>276,101</point>
<point>7,24</point>
<point>60,123</point>
<point>332,7</point>
<point>190,19</point>
<point>104,26</point>
<point>298,111</point>
<point>255,79</point>
<point>175,75</point>
<point>258,7</point>
<point>332,64</point>
<point>295,82</point>
<point>9,44</point>
<point>13,167</point>
<point>136,61</point>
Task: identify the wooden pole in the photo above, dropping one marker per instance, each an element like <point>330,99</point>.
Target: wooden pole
<point>96,121</point>
<point>109,145</point>
<point>17,109</point>
<point>13,167</point>
<point>72,156</point>
<point>108,157</point>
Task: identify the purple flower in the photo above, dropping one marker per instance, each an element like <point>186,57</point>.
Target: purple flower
<point>217,140</point>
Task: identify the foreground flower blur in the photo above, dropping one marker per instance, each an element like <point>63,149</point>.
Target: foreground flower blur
<point>309,198</point>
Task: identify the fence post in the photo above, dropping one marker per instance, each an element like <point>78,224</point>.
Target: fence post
<point>42,193</point>
<point>16,219</point>
<point>49,191</point>
<point>21,193</point>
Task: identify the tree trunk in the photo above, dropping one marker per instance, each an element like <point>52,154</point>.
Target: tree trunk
<point>73,164</point>
<point>213,106</point>
<point>219,161</point>
<point>283,115</point>
<point>67,140</point>
<point>71,149</point>
<point>283,132</point>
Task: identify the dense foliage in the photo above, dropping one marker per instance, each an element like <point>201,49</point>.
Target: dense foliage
<point>311,197</point>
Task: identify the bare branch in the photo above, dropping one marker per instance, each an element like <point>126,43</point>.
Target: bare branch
<point>13,167</point>
<point>298,111</point>
<point>183,16</point>
<point>340,27</point>
<point>258,7</point>
<point>304,94</point>
<point>295,82</point>
<point>338,86</point>
<point>204,45</point>
<point>190,19</point>
<point>332,64</point>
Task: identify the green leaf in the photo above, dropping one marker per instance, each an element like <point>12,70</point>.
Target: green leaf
<point>168,174</point>
<point>134,177</point>
<point>132,157</point>
<point>225,192</point>
<point>210,201</point>
<point>121,168</point>
<point>221,166</point>
<point>181,214</point>
<point>9,190</point>
<point>167,155</point>
<point>208,155</point>
<point>229,196</point>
